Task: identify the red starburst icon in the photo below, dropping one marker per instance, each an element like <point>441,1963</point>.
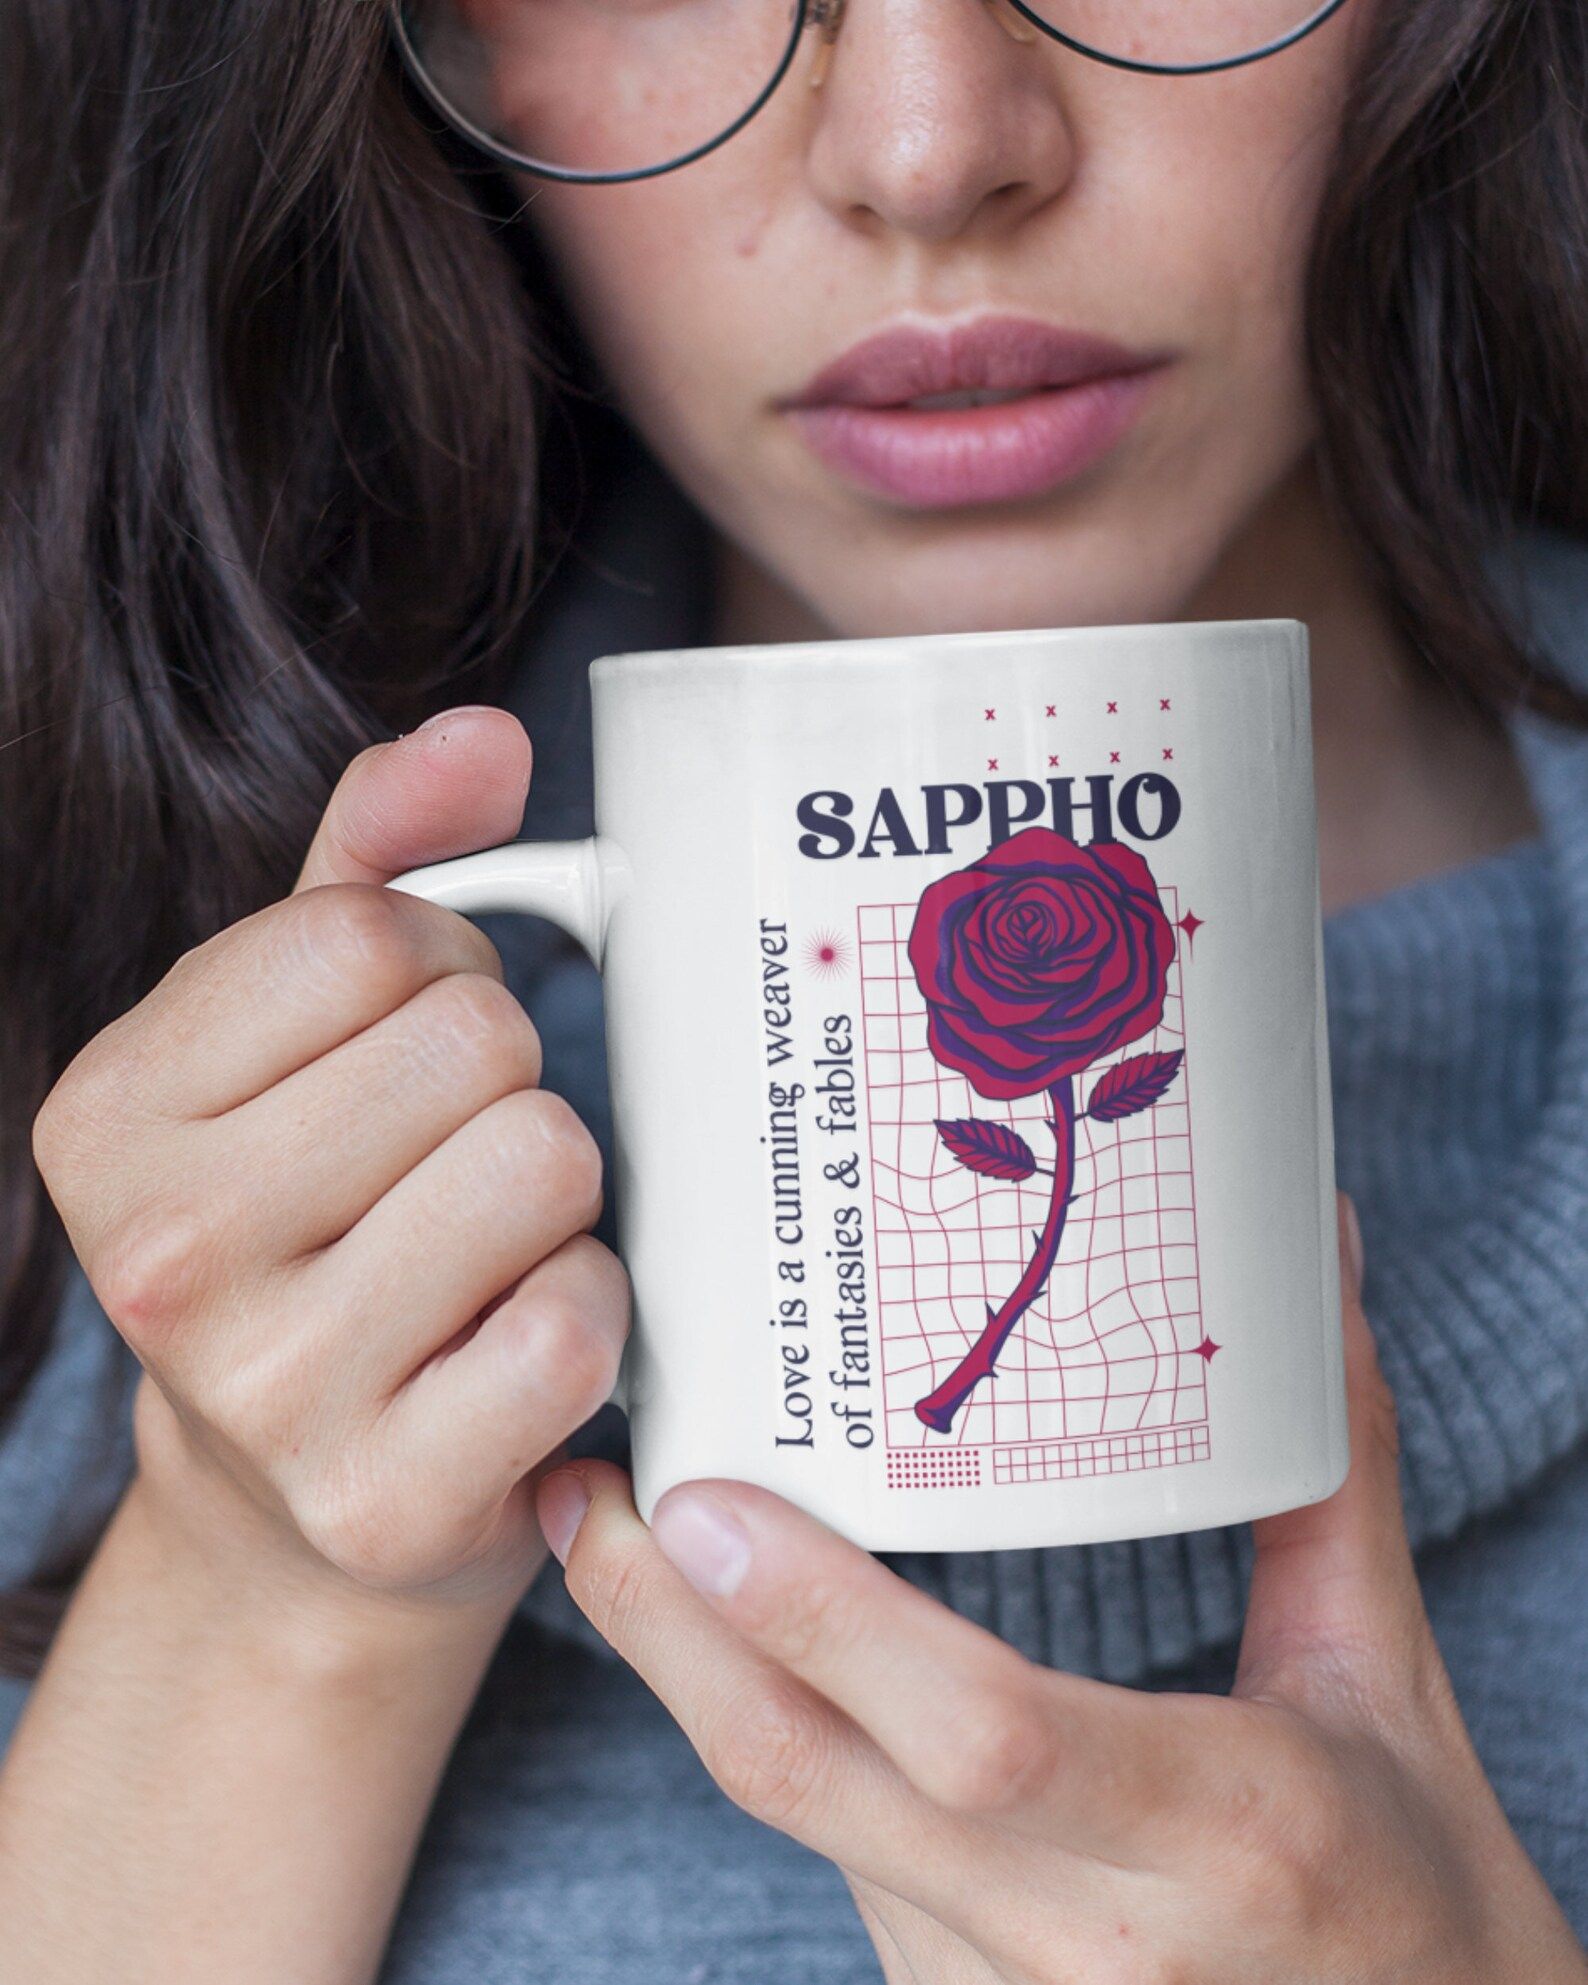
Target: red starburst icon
<point>826,951</point>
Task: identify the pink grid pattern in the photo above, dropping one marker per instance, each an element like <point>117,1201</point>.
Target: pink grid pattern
<point>1054,1461</point>
<point>1110,1346</point>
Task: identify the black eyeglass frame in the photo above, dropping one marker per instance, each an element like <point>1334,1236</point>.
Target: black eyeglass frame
<point>807,14</point>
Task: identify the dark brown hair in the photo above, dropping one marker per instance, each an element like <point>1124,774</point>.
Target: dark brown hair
<point>270,459</point>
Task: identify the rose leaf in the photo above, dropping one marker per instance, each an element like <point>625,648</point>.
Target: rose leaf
<point>992,1149</point>
<point>1131,1085</point>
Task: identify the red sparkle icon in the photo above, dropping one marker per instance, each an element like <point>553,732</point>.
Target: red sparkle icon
<point>826,951</point>
<point>1190,923</point>
<point>1206,1349</point>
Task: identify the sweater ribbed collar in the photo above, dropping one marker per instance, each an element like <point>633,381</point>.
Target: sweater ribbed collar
<point>1458,1013</point>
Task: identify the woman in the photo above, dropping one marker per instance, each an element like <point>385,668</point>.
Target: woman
<point>300,444</point>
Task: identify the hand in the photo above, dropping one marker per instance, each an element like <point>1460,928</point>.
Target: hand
<point>1328,1821</point>
<point>314,1183</point>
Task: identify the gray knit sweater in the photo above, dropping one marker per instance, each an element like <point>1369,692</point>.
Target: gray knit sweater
<point>575,1837</point>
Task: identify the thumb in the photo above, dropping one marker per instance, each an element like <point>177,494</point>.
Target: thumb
<point>1333,1585</point>
<point>456,784</point>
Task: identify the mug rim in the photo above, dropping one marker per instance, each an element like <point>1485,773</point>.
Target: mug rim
<point>846,652</point>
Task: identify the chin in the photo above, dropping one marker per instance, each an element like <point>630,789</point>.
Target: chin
<point>988,590</point>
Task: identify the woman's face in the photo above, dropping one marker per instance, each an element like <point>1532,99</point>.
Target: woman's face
<point>943,173</point>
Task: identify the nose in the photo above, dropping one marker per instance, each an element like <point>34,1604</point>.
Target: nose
<point>935,117</point>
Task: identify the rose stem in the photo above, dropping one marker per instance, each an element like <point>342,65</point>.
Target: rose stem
<point>938,1408</point>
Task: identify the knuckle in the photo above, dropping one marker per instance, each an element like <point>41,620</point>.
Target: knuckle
<point>768,1754</point>
<point>1285,1884</point>
<point>1001,1755</point>
<point>360,1532</point>
<point>151,1273</point>
<point>566,1352</point>
<point>1290,1833</point>
<point>355,932</point>
<point>567,1163</point>
<point>263,1403</point>
<point>53,1133</point>
<point>475,1018</point>
<point>71,1119</point>
<point>476,952</point>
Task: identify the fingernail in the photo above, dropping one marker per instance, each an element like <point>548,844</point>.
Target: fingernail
<point>451,716</point>
<point>707,1542</point>
<point>560,1505</point>
<point>1353,1244</point>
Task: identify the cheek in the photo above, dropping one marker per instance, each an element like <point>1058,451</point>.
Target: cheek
<point>1231,210</point>
<point>1216,200</point>
<point>670,295</point>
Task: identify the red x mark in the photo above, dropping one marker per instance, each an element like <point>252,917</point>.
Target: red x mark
<point>1113,709</point>
<point>1167,754</point>
<point>1163,702</point>
<point>990,714</point>
<point>1053,758</point>
<point>1113,758</point>
<point>1051,711</point>
<point>992,765</point>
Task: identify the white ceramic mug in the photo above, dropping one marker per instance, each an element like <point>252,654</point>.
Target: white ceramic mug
<point>973,1158</point>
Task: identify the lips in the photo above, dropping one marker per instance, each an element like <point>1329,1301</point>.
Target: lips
<point>988,354</point>
<point>984,411</point>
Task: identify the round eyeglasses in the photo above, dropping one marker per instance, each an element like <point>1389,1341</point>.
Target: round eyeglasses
<point>607,90</point>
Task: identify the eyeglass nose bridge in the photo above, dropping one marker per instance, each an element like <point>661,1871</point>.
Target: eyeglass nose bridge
<point>827,17</point>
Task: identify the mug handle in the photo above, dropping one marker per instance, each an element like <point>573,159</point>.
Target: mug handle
<point>575,884</point>
<point>570,882</point>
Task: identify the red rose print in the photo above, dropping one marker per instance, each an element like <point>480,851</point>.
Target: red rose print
<point>1038,958</point>
<point>1035,960</point>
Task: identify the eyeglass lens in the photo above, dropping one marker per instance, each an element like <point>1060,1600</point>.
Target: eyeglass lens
<point>610,87</point>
